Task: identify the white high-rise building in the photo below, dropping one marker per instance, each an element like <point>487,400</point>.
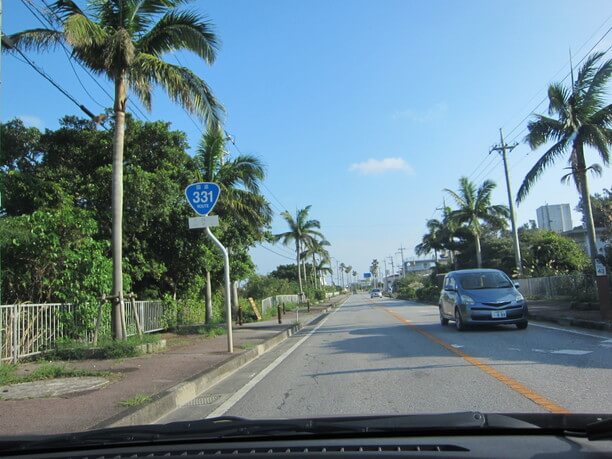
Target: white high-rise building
<point>555,217</point>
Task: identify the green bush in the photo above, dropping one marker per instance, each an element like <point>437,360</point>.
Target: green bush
<point>430,293</point>
<point>106,348</point>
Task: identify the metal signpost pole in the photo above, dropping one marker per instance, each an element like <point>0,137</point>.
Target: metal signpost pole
<point>228,301</point>
<point>202,197</point>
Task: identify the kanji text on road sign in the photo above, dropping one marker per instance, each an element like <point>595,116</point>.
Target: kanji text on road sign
<point>202,196</point>
<point>203,222</point>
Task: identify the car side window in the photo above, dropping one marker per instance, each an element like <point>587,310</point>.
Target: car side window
<point>446,282</point>
<point>451,283</point>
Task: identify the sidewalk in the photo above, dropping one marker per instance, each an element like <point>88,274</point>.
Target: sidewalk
<point>560,312</point>
<point>187,358</point>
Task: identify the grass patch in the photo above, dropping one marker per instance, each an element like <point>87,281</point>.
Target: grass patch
<point>106,348</point>
<point>8,373</point>
<point>211,332</point>
<point>247,346</point>
<point>136,400</point>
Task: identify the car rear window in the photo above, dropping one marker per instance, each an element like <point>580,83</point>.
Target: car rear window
<point>483,280</point>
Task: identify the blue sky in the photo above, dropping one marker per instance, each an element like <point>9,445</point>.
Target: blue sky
<point>365,110</point>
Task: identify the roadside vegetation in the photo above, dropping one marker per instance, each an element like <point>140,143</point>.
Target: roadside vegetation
<point>9,373</point>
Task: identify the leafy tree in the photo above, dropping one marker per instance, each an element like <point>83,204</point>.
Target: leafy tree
<point>301,229</point>
<point>475,207</point>
<point>125,40</point>
<point>550,254</point>
<point>579,117</point>
<point>602,211</point>
<point>56,258</point>
<point>261,287</point>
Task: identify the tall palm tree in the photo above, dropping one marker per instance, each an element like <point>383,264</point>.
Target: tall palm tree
<point>324,267</point>
<point>432,241</point>
<point>579,117</point>
<point>315,248</point>
<point>475,207</point>
<point>342,268</point>
<point>348,270</point>
<point>238,179</point>
<point>300,230</point>
<point>125,40</point>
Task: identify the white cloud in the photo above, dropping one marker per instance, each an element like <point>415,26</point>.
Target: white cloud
<point>433,113</point>
<point>379,166</point>
<point>32,121</point>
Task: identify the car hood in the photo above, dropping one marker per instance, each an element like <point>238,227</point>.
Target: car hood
<point>492,295</point>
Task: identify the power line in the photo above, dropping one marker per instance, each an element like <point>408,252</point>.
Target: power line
<point>29,5</point>
<point>41,72</point>
<point>276,253</point>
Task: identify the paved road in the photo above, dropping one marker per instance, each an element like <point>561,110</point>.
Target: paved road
<point>385,356</point>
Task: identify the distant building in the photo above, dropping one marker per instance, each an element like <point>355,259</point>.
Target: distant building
<point>578,235</point>
<point>555,217</point>
<point>419,266</point>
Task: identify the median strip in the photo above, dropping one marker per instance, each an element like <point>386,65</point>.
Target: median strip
<point>504,379</point>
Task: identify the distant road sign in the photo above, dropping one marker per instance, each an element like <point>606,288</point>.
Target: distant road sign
<point>202,196</point>
<point>367,275</point>
<point>203,222</point>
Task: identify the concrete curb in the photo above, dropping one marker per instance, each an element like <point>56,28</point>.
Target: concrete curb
<point>168,400</point>
<point>568,321</point>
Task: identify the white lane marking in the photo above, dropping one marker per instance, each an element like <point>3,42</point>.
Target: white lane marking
<point>563,351</point>
<point>456,346</point>
<point>575,332</point>
<point>513,349</point>
<point>570,352</point>
<point>225,406</point>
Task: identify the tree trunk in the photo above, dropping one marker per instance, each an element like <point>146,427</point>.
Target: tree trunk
<point>299,268</point>
<point>117,208</point>
<point>478,251</point>
<point>208,311</point>
<point>235,300</point>
<point>587,210</point>
<point>314,271</point>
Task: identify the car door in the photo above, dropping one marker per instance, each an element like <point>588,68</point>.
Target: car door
<point>445,294</point>
<point>449,295</point>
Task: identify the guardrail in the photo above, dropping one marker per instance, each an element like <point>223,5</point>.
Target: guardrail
<point>274,301</point>
<point>554,286</point>
<point>30,329</point>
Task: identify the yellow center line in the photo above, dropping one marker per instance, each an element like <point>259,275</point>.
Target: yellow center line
<point>513,384</point>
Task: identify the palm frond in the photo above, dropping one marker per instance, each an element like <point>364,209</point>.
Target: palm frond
<point>540,166</point>
<point>181,84</point>
<point>598,139</point>
<point>587,72</point>
<point>35,40</point>
<point>558,97</point>
<point>180,30</point>
<point>542,130</point>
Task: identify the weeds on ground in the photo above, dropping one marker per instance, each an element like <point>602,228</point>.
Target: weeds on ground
<point>247,346</point>
<point>136,400</point>
<point>106,348</point>
<point>48,370</point>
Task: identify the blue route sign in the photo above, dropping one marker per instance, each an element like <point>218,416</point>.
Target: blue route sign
<point>202,196</point>
<point>367,275</point>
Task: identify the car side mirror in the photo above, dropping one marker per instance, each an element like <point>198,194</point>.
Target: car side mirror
<point>516,285</point>
<point>450,289</point>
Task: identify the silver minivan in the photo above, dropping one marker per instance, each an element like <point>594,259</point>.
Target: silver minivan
<point>481,297</point>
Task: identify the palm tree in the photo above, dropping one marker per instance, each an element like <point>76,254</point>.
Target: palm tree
<point>432,240</point>
<point>374,270</point>
<point>124,40</point>
<point>315,247</point>
<point>300,230</point>
<point>474,207</point>
<point>324,268</point>
<point>347,270</point>
<point>579,117</point>
<point>342,268</point>
<point>239,180</point>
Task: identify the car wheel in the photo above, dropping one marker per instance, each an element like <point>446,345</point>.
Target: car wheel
<point>443,320</point>
<point>459,325</point>
<point>522,325</point>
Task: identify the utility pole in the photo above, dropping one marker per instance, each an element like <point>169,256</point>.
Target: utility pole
<point>503,148</point>
<point>392,265</point>
<point>384,279</point>
<point>401,250</point>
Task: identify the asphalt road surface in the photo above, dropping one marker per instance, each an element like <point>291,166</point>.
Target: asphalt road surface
<point>385,356</point>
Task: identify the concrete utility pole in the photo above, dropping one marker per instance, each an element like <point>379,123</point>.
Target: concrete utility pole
<point>502,148</point>
<point>392,265</point>
<point>401,250</point>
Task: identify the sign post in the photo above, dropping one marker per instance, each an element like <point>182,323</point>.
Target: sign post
<point>202,197</point>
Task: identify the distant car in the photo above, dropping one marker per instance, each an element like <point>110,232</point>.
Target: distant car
<point>481,297</point>
<point>376,293</point>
